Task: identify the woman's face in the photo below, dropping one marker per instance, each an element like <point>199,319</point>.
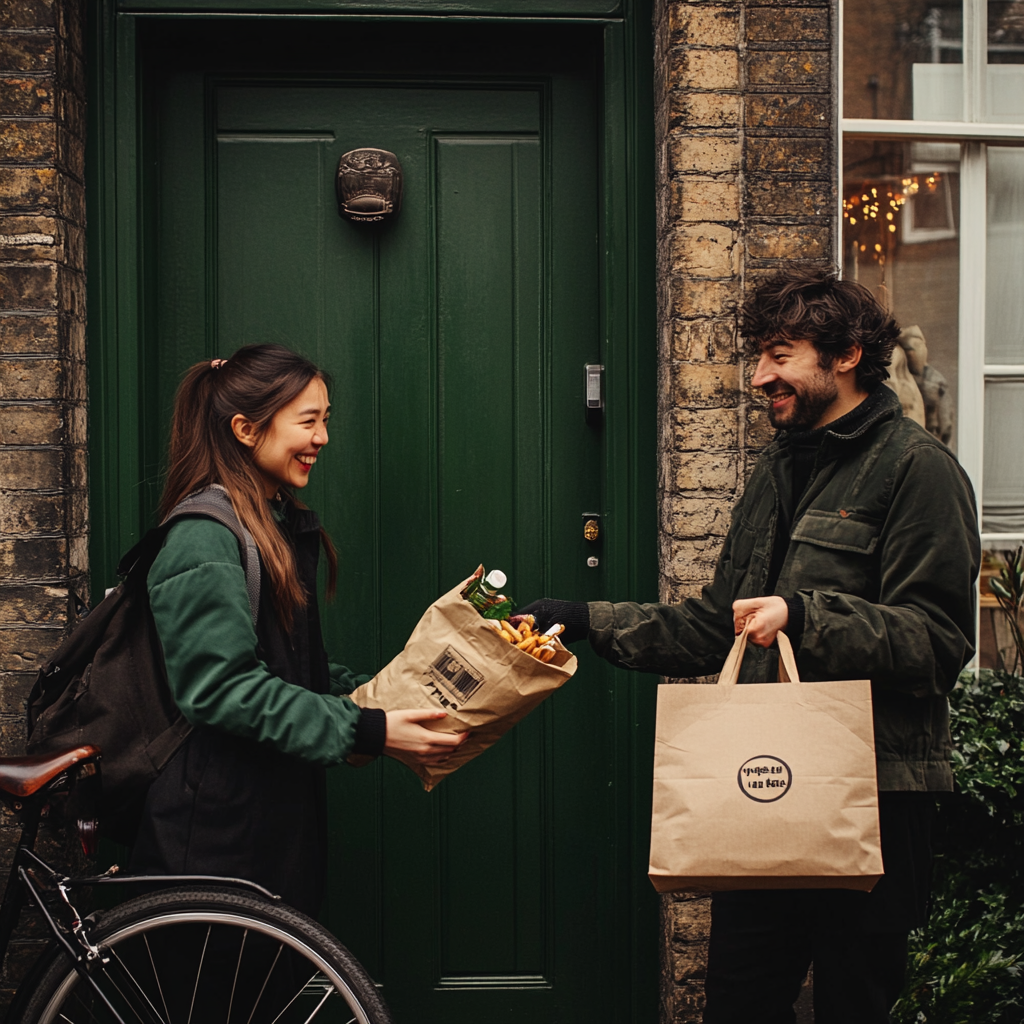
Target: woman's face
<point>286,452</point>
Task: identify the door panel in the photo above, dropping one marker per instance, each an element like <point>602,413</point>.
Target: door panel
<point>456,336</point>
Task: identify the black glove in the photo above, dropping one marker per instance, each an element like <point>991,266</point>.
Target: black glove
<point>574,615</point>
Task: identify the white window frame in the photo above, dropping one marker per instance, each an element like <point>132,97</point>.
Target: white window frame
<point>974,137</point>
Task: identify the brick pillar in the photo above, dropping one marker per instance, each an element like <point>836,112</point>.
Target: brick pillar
<point>746,166</point>
<point>43,498</point>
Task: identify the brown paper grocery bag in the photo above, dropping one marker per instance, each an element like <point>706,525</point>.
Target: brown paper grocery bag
<point>764,786</point>
<point>455,662</point>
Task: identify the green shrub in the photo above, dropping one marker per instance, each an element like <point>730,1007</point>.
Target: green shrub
<point>967,963</point>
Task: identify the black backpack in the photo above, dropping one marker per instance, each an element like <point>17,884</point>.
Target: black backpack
<point>106,684</point>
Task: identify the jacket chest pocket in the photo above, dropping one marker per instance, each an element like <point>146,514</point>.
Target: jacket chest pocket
<point>834,551</point>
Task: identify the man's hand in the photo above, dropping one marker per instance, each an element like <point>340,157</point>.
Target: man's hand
<point>408,741</point>
<point>574,615</point>
<point>764,616</point>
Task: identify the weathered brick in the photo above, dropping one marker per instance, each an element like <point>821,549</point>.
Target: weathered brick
<point>73,335</point>
<point>37,558</point>
<point>78,555</point>
<point>690,962</point>
<point>770,197</point>
<point>685,516</point>
<point>34,604</point>
<point>27,188</point>
<point>689,297</point>
<point>28,334</point>
<point>27,141</point>
<point>705,25</point>
<point>28,14</point>
<point>22,649</point>
<point>797,156</point>
<point>30,424</point>
<point>704,199</point>
<point>704,69</point>
<point>704,109</point>
<point>26,97</point>
<point>705,250</point>
<point>759,431</point>
<point>30,470</point>
<point>70,153</point>
<point>705,430</point>
<point>690,919</point>
<point>21,51</point>
<point>71,292</point>
<point>787,241</point>
<point>703,154</point>
<point>30,378</point>
<point>784,24</point>
<point>796,67</point>
<point>74,247</point>
<point>704,471</point>
<point>807,110</point>
<point>28,512</point>
<point>71,199</point>
<point>699,385</point>
<point>28,287</point>
<point>704,341</point>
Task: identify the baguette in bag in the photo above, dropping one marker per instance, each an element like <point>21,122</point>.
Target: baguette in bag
<point>456,662</point>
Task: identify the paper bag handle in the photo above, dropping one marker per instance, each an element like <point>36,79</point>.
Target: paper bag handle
<point>787,663</point>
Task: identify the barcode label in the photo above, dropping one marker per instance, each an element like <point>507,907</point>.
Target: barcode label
<point>451,671</point>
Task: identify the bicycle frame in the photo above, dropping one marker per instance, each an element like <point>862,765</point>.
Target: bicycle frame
<point>30,874</point>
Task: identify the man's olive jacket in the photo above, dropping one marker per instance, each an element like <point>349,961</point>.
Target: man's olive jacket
<point>883,552</point>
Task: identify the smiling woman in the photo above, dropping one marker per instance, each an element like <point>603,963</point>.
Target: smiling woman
<point>286,452</point>
<point>269,711</point>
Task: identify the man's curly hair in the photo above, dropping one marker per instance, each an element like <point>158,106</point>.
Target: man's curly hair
<point>833,314</point>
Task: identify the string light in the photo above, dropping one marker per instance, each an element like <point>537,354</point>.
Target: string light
<point>882,203</point>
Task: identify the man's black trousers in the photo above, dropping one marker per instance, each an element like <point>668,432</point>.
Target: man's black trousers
<point>763,941</point>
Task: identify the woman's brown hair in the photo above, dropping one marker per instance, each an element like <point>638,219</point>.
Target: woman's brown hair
<point>257,381</point>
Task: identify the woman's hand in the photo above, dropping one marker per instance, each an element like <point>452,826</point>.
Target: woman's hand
<point>764,616</point>
<point>406,740</point>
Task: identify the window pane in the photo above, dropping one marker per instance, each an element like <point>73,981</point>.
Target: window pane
<point>1002,501</point>
<point>901,205</point>
<point>1005,71</point>
<point>903,59</point>
<point>1004,264</point>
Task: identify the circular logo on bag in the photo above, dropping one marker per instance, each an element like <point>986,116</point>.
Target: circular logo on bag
<point>765,778</point>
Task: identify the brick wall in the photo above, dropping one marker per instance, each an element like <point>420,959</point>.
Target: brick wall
<point>745,131</point>
<point>43,500</point>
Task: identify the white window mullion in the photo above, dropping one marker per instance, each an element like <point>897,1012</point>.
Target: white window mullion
<point>971,375</point>
<point>975,56</point>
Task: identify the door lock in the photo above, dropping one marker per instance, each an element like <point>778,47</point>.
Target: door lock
<point>591,526</point>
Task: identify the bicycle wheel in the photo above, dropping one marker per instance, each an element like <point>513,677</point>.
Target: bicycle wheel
<point>208,956</point>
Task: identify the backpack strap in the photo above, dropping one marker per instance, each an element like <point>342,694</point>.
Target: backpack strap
<point>215,503</point>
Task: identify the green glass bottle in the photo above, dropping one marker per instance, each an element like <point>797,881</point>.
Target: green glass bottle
<point>484,594</point>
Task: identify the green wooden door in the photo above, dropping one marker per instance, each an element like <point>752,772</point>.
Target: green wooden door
<point>456,336</point>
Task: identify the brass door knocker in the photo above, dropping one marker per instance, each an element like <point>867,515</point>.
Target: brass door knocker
<point>369,185</point>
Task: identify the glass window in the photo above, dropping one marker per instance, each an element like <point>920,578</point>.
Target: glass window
<point>1005,65</point>
<point>903,59</point>
<point>1004,277</point>
<point>901,203</point>
<point>1002,503</point>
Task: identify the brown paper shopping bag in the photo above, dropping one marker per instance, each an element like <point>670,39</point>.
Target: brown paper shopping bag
<point>764,786</point>
<point>455,662</point>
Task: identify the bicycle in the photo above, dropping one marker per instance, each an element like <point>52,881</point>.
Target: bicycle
<point>192,949</point>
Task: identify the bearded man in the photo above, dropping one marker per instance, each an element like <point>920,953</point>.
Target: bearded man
<point>857,535</point>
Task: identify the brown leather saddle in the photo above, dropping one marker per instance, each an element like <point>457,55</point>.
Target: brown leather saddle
<point>23,776</point>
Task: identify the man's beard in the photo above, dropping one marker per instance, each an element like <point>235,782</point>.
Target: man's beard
<point>808,405</point>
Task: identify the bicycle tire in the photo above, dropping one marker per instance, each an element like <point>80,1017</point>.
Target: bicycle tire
<point>200,955</point>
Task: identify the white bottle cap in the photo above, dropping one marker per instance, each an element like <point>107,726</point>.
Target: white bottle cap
<point>496,579</point>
